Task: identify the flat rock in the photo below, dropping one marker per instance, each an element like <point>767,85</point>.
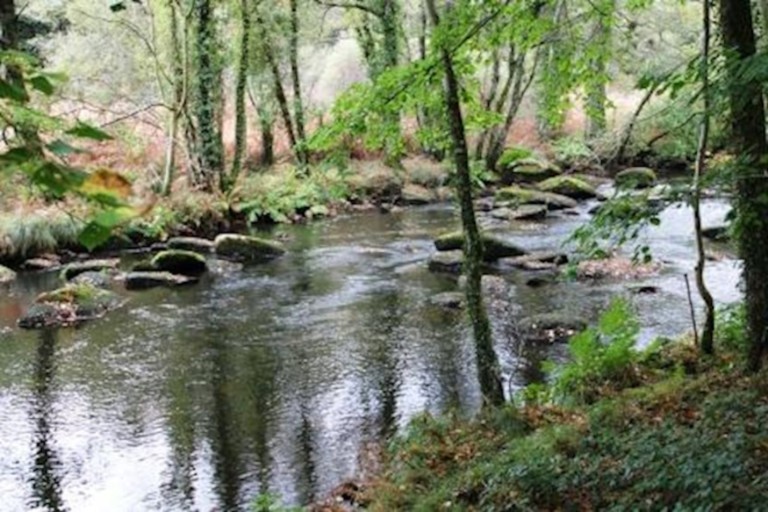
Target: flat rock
<point>190,243</point>
<point>550,327</point>
<point>6,275</point>
<point>176,261</point>
<point>247,248</point>
<point>92,278</point>
<point>147,280</point>
<point>448,300</point>
<point>40,264</point>
<point>520,195</point>
<point>536,260</point>
<point>71,270</point>
<point>521,212</point>
<point>446,261</point>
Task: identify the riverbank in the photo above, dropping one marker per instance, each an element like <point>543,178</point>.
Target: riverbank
<point>688,434</point>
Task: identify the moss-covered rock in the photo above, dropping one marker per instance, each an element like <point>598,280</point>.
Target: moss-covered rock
<point>494,247</point>
<point>636,177</point>
<point>71,270</point>
<point>569,186</point>
<point>520,195</point>
<point>69,305</point>
<point>530,170</point>
<point>450,262</point>
<point>147,280</point>
<point>247,248</point>
<point>186,263</point>
<point>6,275</point>
<point>521,212</point>
<point>191,243</point>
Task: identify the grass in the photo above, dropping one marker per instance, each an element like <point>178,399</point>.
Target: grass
<point>25,233</point>
<point>687,434</point>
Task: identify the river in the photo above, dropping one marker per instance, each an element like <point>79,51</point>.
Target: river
<point>274,378</point>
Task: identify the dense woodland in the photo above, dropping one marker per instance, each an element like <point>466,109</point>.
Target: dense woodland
<point>128,122</point>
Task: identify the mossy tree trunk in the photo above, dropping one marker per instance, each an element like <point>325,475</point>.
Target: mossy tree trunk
<point>241,119</point>
<point>177,101</point>
<point>489,372</point>
<point>298,102</point>
<point>210,151</point>
<point>747,116</point>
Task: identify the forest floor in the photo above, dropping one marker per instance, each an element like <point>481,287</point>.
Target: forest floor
<point>690,437</point>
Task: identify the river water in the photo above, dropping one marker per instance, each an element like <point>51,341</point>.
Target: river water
<point>274,378</point>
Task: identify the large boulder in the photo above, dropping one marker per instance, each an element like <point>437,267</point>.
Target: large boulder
<point>147,280</point>
<point>550,327</point>
<point>569,186</point>
<point>520,195</point>
<point>191,243</point>
<point>636,177</point>
<point>69,305</point>
<point>186,263</point>
<point>493,247</point>
<point>530,170</point>
<point>72,270</point>
<point>450,262</point>
<point>415,195</point>
<point>6,275</point>
<point>247,248</point>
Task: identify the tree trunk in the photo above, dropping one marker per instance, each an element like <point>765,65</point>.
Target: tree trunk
<point>210,150</point>
<point>177,64</point>
<point>488,369</point>
<point>708,333</point>
<point>747,116</point>
<point>298,103</point>
<point>241,120</point>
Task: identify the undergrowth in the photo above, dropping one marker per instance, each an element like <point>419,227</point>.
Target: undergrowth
<point>659,429</point>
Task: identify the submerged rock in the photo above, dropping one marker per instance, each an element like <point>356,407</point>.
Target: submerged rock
<point>6,275</point>
<point>550,327</point>
<point>448,300</point>
<point>569,186</point>
<point>494,247</point>
<point>147,280</point>
<point>636,177</point>
<point>71,270</point>
<point>190,243</point>
<point>69,305</point>
<point>247,248</point>
<point>186,263</point>
<point>520,195</point>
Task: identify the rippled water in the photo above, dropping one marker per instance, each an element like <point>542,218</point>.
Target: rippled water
<point>274,378</point>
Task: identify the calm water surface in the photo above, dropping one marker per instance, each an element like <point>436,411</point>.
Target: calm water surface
<point>273,378</point>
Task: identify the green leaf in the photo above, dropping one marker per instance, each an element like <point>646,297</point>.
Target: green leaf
<point>60,148</point>
<point>20,155</point>
<point>12,92</point>
<point>86,131</point>
<point>94,234</point>
<point>42,84</point>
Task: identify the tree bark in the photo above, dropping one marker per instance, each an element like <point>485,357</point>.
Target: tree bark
<point>488,369</point>
<point>708,332</point>
<point>747,116</point>
<point>298,103</point>
<point>241,120</point>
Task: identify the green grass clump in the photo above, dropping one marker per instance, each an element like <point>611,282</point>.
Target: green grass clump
<point>26,235</point>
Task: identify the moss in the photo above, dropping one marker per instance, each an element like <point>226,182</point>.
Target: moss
<point>569,186</point>
<point>247,248</point>
<point>494,247</point>
<point>178,261</point>
<point>520,195</point>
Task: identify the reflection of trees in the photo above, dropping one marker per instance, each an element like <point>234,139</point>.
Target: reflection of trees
<point>46,484</point>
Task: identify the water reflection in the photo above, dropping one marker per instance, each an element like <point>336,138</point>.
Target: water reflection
<point>46,478</point>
